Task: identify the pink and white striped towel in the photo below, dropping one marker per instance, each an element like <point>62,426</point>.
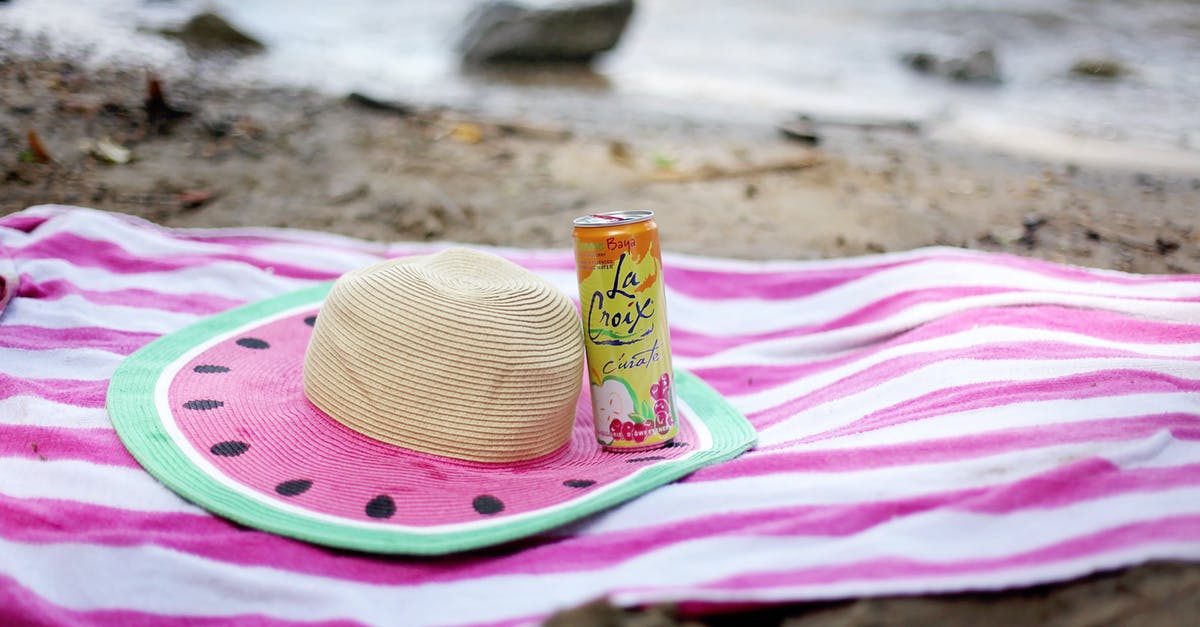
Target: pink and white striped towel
<point>929,421</point>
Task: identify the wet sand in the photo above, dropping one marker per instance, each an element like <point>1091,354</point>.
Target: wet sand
<point>283,157</point>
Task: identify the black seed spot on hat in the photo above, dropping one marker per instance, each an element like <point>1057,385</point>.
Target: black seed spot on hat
<point>310,321</point>
<point>652,458</point>
<point>207,369</point>
<point>381,506</point>
<point>230,448</point>
<point>203,403</point>
<point>676,444</point>
<point>487,505</point>
<point>579,483</point>
<point>252,342</point>
<point>293,487</point>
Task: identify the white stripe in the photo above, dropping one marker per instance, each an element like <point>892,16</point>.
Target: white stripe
<point>739,316</point>
<point>326,259</point>
<point>928,379</point>
<point>37,411</point>
<point>1015,415</point>
<point>693,500</point>
<point>138,237</point>
<point>228,279</point>
<point>74,311</point>
<point>758,266</point>
<point>81,364</point>
<point>86,482</point>
<point>800,350</point>
<point>87,577</point>
<point>149,238</point>
<point>983,579</point>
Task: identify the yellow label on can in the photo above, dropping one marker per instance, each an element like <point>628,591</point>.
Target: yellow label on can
<point>626,336</point>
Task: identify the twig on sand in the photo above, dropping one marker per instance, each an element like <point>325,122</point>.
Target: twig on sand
<point>713,173</point>
<point>37,150</point>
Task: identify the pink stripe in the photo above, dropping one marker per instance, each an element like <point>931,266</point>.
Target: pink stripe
<point>36,520</point>
<point>1178,528</point>
<point>98,446</point>
<point>198,303</point>
<point>90,253</point>
<point>943,450</point>
<point>101,338</point>
<point>21,606</point>
<point>729,284</point>
<point>68,391</point>
<point>23,222</point>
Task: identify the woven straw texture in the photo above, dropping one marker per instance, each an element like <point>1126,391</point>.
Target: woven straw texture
<point>461,353</point>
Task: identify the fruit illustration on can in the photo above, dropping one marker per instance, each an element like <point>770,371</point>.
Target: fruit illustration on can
<point>623,304</point>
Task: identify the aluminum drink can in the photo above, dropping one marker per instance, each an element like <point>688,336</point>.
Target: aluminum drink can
<point>622,301</point>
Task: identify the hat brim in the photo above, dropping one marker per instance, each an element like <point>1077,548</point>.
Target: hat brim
<point>216,412</point>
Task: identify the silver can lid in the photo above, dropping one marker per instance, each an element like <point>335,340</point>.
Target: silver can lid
<point>613,218</point>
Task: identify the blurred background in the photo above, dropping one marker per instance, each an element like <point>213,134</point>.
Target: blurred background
<point>1107,80</point>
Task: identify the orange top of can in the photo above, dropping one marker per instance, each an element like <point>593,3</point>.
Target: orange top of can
<point>614,218</point>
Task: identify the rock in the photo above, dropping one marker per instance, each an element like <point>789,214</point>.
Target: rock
<point>111,152</point>
<point>800,130</point>
<point>979,66</point>
<point>209,32</point>
<point>1104,69</point>
<point>375,104</point>
<point>160,114</point>
<point>501,30</point>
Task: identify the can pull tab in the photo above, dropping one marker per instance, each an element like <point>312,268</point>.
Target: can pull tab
<point>604,216</point>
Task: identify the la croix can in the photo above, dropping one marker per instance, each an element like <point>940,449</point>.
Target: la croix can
<point>628,347</point>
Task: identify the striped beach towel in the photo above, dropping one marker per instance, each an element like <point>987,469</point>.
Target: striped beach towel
<point>929,421</point>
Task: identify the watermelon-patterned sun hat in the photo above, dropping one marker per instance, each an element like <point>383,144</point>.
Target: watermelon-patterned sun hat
<point>424,405</point>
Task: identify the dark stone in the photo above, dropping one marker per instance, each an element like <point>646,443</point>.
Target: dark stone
<point>979,66</point>
<point>160,114</point>
<point>231,448</point>
<point>1165,246</point>
<point>383,106</point>
<point>1104,69</point>
<point>801,130</point>
<point>501,30</point>
<point>209,32</point>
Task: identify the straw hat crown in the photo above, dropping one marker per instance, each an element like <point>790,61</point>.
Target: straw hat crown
<point>461,354</point>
